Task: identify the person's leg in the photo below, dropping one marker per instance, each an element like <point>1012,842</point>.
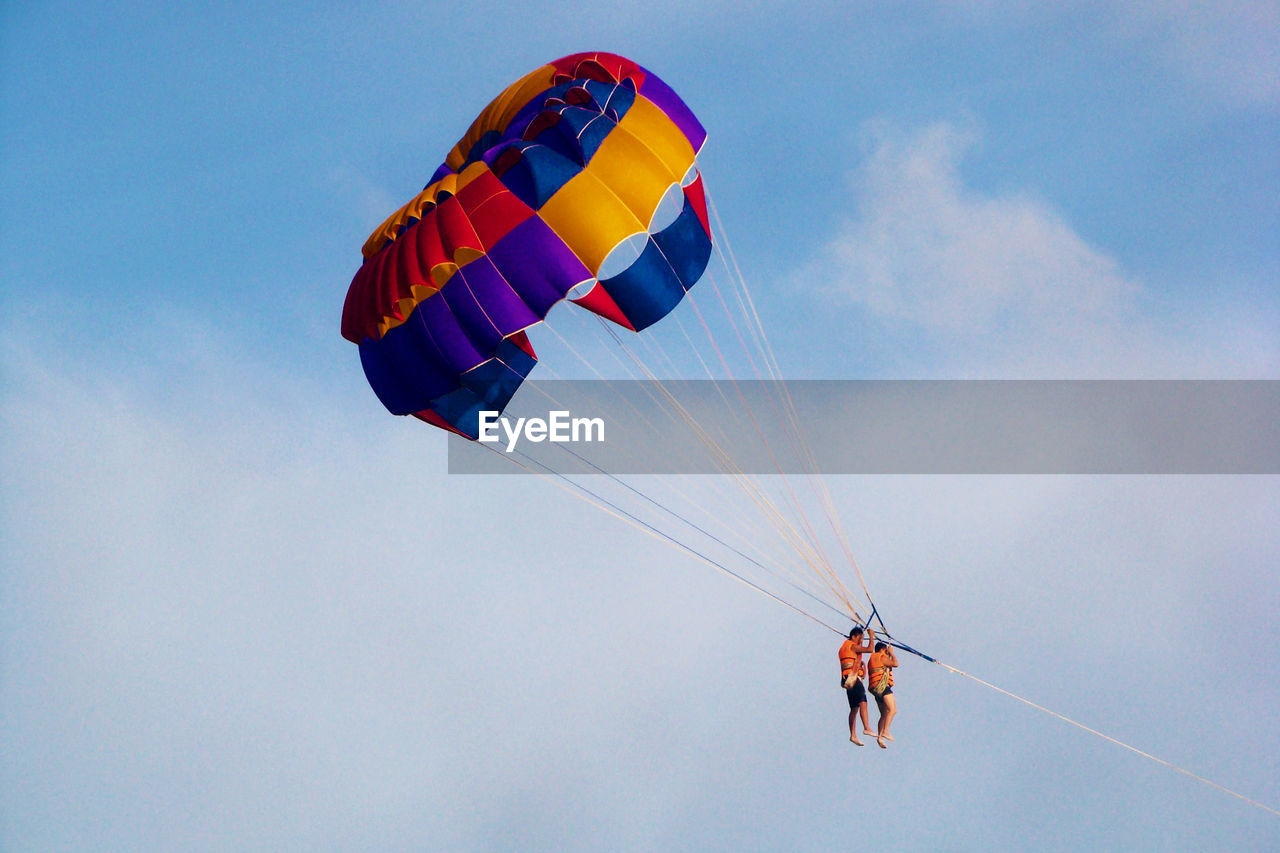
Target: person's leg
<point>853,716</point>
<point>866,723</point>
<point>853,727</point>
<point>880,725</point>
<point>890,708</point>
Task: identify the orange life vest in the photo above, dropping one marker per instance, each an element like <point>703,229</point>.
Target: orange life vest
<point>850,658</point>
<point>880,673</point>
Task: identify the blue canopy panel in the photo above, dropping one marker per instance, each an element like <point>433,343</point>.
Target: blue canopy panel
<point>670,263</point>
<point>488,387</point>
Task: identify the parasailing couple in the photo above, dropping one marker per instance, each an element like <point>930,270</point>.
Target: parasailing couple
<point>879,672</point>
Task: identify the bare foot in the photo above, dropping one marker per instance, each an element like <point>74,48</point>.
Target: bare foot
<point>880,741</point>
<point>855,741</point>
<point>868,733</point>
<point>887,736</point>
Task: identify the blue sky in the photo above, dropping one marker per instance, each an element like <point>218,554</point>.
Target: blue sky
<point>241,607</point>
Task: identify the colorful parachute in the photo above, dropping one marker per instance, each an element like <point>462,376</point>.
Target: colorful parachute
<point>581,174</point>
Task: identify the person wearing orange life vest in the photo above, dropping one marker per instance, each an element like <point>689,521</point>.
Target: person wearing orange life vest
<point>851,672</point>
<point>880,668</point>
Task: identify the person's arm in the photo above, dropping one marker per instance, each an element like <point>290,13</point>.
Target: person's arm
<point>868,642</point>
<point>891,659</point>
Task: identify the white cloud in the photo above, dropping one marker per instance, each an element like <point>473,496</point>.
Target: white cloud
<point>227,594</point>
<point>1002,285</point>
<point>925,247</point>
<point>241,621</point>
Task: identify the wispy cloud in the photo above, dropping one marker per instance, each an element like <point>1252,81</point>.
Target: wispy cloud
<point>287,593</point>
<point>245,618</point>
<point>1000,284</point>
<point>924,246</point>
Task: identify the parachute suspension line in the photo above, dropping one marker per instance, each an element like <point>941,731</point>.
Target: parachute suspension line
<point>630,368</point>
<point>795,504</point>
<point>818,562</point>
<point>605,505</point>
<point>624,484</point>
<point>823,564</point>
<point>778,575</point>
<point>718,453</point>
<point>748,539</point>
<point>794,434</point>
<point>824,569</point>
<point>884,632</point>
<point>743,293</point>
<point>706,369</point>
<point>795,437</point>
<point>657,403</point>
<point>627,367</point>
<point>1106,737</point>
<point>780,522</point>
<point>747,305</point>
<point>651,343</point>
<point>874,615</point>
<point>609,384</point>
<point>680,419</point>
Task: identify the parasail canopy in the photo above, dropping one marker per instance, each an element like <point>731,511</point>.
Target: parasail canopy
<point>578,181</point>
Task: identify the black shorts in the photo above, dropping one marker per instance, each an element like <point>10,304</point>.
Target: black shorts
<point>887,692</point>
<point>857,695</point>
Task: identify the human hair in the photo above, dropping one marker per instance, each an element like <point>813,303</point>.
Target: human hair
<point>856,631</point>
<point>880,647</point>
